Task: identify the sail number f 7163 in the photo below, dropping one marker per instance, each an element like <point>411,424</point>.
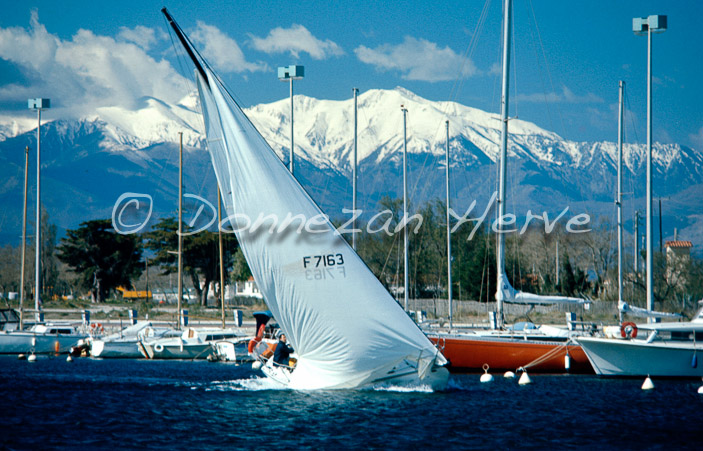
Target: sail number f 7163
<point>323,261</point>
<point>322,267</point>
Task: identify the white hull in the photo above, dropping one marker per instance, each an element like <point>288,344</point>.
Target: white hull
<point>404,375</point>
<point>233,351</point>
<point>115,349</point>
<point>614,357</point>
<point>153,351</point>
<point>21,343</point>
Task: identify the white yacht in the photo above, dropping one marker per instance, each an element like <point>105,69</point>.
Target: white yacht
<point>45,338</point>
<point>191,344</point>
<point>667,349</point>
<point>124,344</point>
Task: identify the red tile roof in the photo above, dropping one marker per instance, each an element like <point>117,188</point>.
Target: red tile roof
<point>679,244</point>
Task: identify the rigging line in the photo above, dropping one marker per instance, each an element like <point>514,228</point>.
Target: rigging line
<point>546,62</point>
<point>459,82</point>
<point>565,185</point>
<point>189,89</point>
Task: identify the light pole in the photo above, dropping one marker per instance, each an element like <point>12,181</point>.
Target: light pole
<point>642,26</point>
<point>355,91</point>
<point>405,208</point>
<point>290,73</point>
<point>38,104</point>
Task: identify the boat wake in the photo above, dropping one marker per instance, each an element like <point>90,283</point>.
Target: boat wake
<point>250,384</point>
<point>402,388</point>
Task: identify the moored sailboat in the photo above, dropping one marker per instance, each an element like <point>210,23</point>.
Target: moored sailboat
<point>503,349</point>
<point>347,330</point>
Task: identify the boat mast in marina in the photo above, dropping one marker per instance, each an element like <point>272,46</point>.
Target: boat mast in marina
<point>449,235</point>
<point>502,280</point>
<point>180,230</point>
<point>38,104</point>
<point>24,235</point>
<point>405,207</point>
<point>222,269</point>
<point>618,200</point>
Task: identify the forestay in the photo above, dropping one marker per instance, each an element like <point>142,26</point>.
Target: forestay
<point>344,325</point>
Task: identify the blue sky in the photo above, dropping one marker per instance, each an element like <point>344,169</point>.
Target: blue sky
<point>568,56</point>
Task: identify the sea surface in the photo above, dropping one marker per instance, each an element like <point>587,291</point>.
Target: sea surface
<point>93,404</point>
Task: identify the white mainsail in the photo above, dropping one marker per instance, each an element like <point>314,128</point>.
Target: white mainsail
<point>346,328</point>
<point>513,296</point>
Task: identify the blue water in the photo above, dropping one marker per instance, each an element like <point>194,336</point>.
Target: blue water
<point>138,404</point>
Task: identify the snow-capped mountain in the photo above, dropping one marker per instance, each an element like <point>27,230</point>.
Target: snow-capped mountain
<point>88,163</point>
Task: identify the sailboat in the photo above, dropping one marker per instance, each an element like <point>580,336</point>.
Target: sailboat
<point>545,349</point>
<point>347,330</point>
<point>662,349</point>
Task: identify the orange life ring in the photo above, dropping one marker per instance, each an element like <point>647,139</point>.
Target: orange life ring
<point>256,340</point>
<point>252,344</point>
<point>628,330</point>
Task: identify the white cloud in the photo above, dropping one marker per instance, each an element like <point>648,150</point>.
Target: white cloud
<point>296,40</point>
<point>418,59</point>
<point>697,139</point>
<point>222,51</point>
<point>566,96</point>
<point>87,71</point>
<point>143,36</point>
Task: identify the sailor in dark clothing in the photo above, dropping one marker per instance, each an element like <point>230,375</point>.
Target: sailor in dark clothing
<point>282,354</point>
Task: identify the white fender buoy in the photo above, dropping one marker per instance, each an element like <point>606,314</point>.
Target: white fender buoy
<point>700,390</point>
<point>32,358</point>
<point>255,365</point>
<point>524,379</point>
<point>509,375</point>
<point>69,359</point>
<point>567,362</point>
<point>21,357</point>
<point>486,377</point>
<point>648,384</point>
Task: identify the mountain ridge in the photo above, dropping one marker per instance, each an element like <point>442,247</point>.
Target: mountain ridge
<point>545,169</point>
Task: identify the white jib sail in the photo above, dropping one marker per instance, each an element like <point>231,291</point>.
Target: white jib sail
<point>345,327</point>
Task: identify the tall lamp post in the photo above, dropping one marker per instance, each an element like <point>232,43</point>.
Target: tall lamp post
<point>405,208</point>
<point>38,104</point>
<point>647,26</point>
<point>290,73</point>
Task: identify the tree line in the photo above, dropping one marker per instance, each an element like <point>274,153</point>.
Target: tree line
<point>95,259</point>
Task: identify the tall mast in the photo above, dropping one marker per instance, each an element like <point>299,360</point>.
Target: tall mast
<point>37,249</point>
<point>354,174</point>
<point>24,235</point>
<point>405,208</point>
<point>637,242</point>
<point>501,282</point>
<point>618,200</point>
<point>180,229</point>
<point>186,44</point>
<point>449,235</point>
<point>222,268</point>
